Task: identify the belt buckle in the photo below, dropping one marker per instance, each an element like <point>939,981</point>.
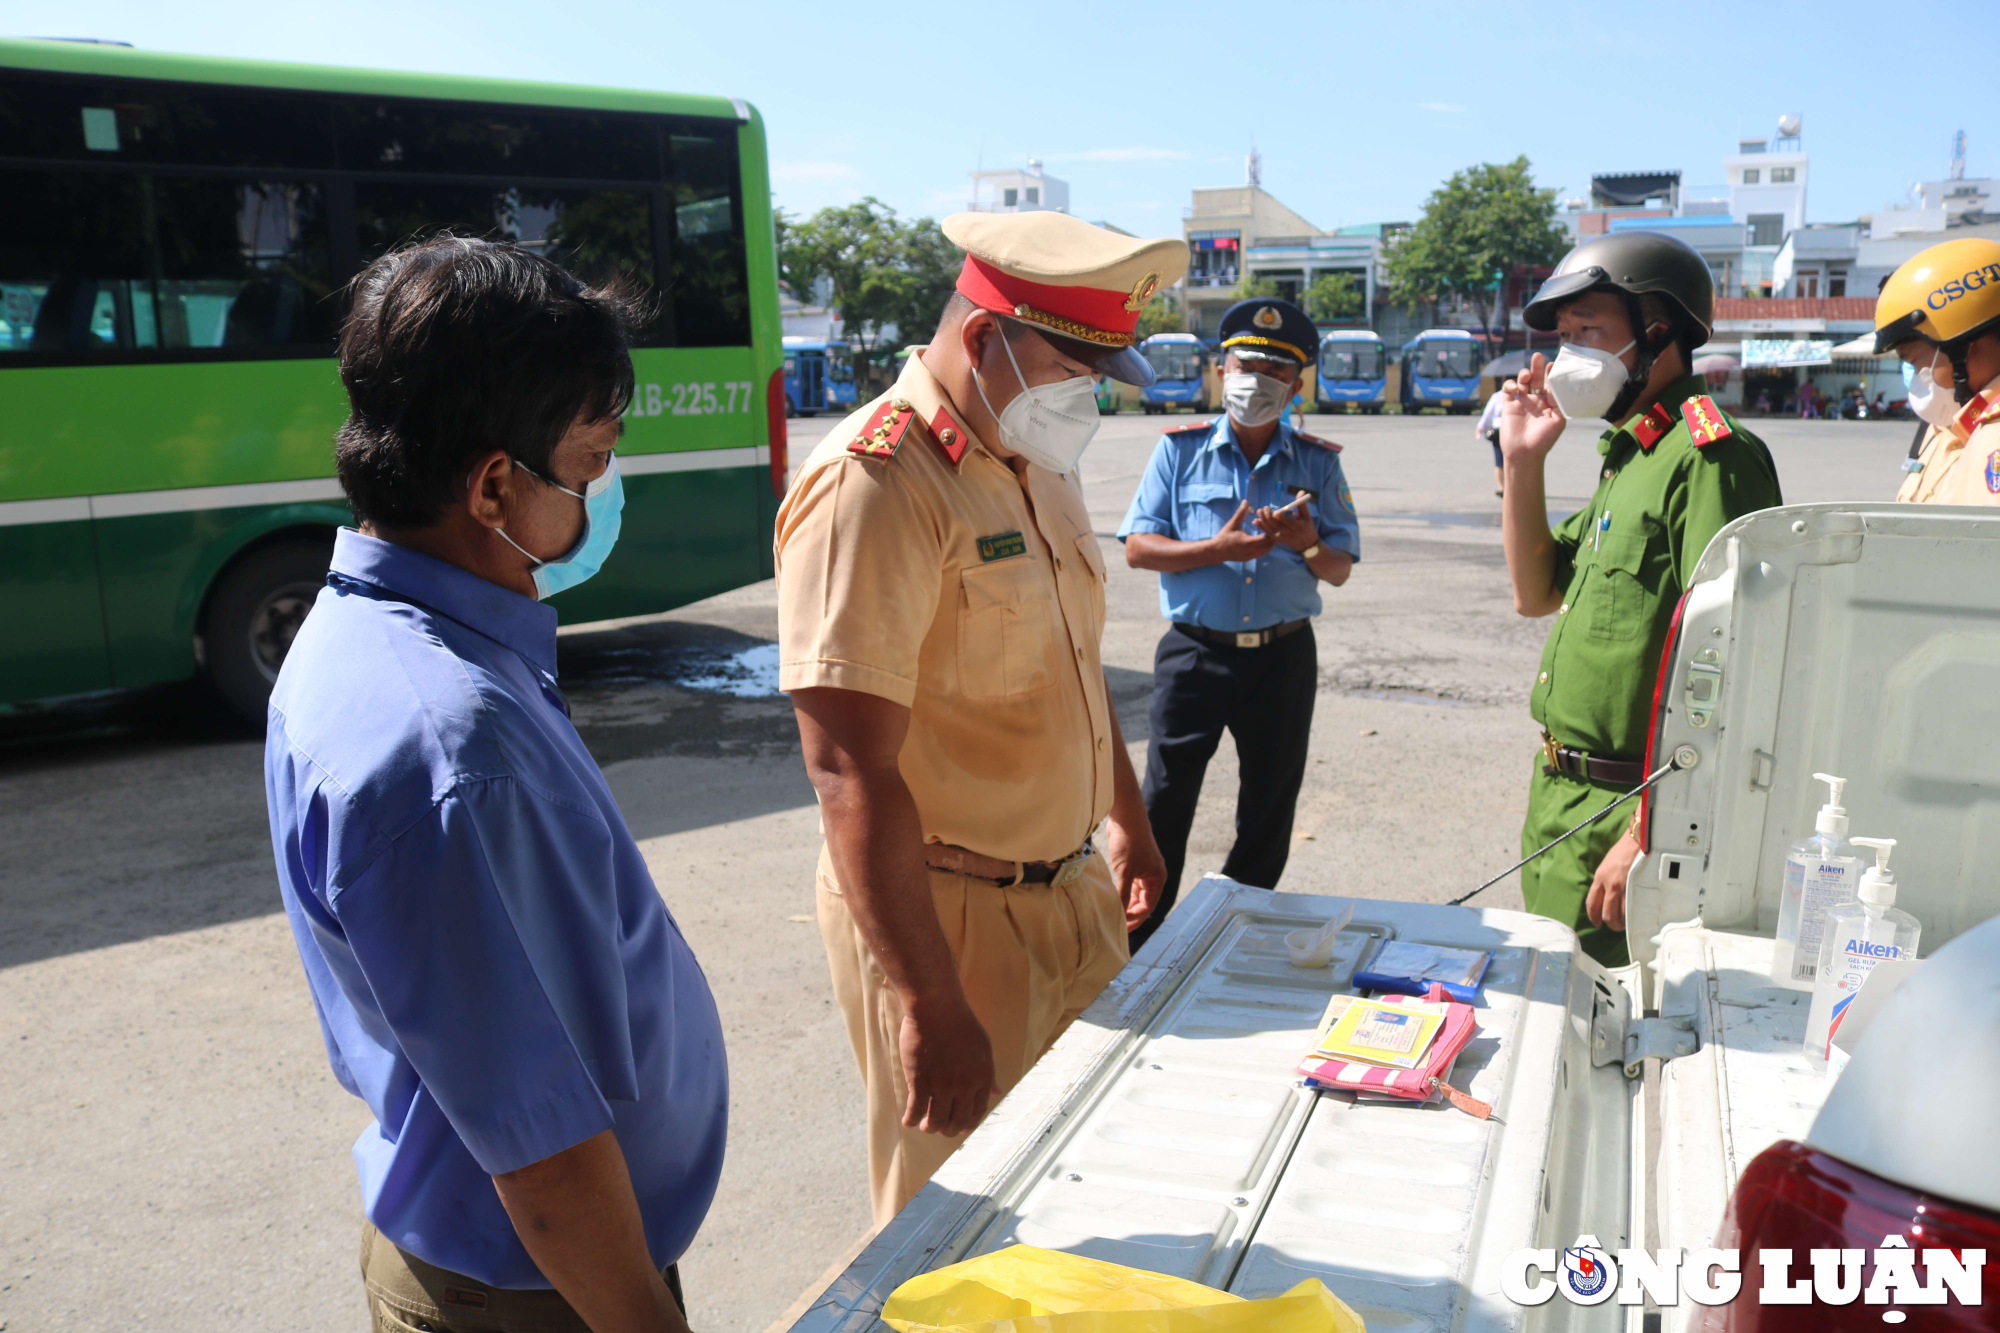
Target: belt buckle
<point>1254,639</point>
<point>1070,871</point>
<point>1549,752</point>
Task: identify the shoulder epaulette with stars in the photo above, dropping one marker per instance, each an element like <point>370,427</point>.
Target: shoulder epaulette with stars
<point>1188,426</point>
<point>1705,422</point>
<point>1314,439</point>
<point>883,434</point>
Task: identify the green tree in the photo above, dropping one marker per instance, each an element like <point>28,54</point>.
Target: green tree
<point>1163,314</point>
<point>1334,296</point>
<point>882,270</point>
<point>1258,287</point>
<point>1477,228</point>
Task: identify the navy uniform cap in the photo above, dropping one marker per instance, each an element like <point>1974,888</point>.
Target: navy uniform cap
<point>1265,326</point>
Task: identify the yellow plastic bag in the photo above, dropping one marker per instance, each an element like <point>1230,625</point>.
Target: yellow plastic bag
<point>1022,1289</point>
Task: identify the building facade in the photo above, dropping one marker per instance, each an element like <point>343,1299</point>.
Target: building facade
<point>1010,191</point>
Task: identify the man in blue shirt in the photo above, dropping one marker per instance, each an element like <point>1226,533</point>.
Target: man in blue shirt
<point>1243,517</point>
<point>494,971</point>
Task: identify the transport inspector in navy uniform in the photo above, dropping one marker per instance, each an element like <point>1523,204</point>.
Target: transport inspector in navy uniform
<point>1243,518</point>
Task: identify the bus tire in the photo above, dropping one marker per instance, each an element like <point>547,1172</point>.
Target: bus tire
<point>254,611</point>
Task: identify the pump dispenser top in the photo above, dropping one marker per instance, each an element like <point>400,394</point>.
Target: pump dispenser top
<point>1832,819</point>
<point>1878,886</point>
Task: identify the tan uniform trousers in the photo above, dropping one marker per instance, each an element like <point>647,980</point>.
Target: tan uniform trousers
<point>407,1295</point>
<point>1031,958</point>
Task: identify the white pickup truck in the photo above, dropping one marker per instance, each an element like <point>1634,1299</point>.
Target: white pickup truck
<point>1168,1130</point>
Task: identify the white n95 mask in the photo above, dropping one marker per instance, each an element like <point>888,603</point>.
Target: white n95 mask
<point>1252,399</point>
<point>1925,400</point>
<point>1586,381</point>
<point>1050,425</point>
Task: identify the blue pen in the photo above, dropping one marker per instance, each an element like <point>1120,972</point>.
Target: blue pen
<point>1603,526</point>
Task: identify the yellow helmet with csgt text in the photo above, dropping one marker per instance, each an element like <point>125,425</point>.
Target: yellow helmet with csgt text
<point>1946,294</point>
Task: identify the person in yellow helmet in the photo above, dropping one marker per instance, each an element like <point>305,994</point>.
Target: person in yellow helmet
<point>1940,312</point>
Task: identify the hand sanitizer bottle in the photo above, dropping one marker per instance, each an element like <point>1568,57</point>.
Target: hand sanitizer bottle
<point>1857,936</point>
<point>1820,872</point>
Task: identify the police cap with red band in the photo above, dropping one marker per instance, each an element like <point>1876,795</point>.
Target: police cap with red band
<point>1062,275</point>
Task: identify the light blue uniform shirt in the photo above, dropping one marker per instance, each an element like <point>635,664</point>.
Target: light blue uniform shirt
<point>1195,480</point>
<point>495,974</point>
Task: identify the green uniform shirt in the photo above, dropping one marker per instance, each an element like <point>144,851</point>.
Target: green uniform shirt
<point>1625,560</point>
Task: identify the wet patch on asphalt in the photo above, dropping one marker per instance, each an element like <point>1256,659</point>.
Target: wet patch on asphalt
<point>675,688</point>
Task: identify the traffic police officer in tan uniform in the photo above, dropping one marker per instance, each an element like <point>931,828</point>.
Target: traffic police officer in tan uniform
<point>940,605</point>
<point>1940,312</point>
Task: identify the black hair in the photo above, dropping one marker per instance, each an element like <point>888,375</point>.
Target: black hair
<point>455,346</point>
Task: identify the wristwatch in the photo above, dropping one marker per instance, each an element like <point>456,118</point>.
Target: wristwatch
<point>1309,552</point>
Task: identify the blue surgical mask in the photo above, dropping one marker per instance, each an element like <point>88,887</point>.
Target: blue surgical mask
<point>603,504</point>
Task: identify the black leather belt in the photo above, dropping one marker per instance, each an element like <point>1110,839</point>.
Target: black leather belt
<point>1256,638</point>
<point>1577,763</point>
<point>956,860</point>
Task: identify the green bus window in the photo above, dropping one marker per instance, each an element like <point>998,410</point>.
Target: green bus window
<point>710,279</point>
<point>52,117</point>
<point>72,254</point>
<point>596,234</point>
<point>242,265</point>
<point>225,264</point>
<point>454,138</point>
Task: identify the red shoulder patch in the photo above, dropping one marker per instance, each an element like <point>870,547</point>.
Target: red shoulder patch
<point>949,435</point>
<point>1188,426</point>
<point>1648,429</point>
<point>1704,421</point>
<point>883,434</point>
<point>1314,439</point>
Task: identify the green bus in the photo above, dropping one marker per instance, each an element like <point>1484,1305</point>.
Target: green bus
<point>175,243</point>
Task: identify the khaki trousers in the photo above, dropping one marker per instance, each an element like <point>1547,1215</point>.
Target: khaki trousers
<point>407,1295</point>
<point>1030,958</point>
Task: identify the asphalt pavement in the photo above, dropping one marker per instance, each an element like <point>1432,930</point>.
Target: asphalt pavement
<point>174,1151</point>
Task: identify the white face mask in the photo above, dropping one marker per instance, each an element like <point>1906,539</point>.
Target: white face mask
<point>1586,381</point>
<point>1253,399</point>
<point>1926,399</point>
<point>1050,425</point>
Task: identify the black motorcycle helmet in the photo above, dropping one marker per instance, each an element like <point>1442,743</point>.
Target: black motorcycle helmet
<point>1635,264</point>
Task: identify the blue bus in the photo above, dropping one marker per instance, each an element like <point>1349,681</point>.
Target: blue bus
<point>1441,369</point>
<point>1353,371</point>
<point>819,376</point>
<point>1182,362</point>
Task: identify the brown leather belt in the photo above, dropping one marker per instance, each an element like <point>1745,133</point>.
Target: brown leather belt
<point>1590,767</point>
<point>955,860</point>
<point>1256,638</point>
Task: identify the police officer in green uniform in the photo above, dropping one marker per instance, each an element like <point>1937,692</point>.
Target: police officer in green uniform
<point>1630,308</point>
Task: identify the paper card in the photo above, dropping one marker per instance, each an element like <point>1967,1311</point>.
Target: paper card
<point>1394,1036</point>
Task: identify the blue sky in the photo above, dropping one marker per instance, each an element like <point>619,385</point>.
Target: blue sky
<point>1358,110</point>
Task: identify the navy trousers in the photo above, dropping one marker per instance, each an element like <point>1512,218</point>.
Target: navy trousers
<point>1264,698</point>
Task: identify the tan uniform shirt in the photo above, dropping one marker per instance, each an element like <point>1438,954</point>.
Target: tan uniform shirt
<point>1961,461</point>
<point>971,595</point>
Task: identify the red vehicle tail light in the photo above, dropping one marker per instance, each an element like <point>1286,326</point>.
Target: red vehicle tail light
<point>1797,1198</point>
<point>774,413</point>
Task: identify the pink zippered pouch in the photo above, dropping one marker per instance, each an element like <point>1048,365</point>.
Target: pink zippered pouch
<point>1424,1082</point>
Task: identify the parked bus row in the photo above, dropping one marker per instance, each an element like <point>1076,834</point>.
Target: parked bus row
<point>1437,368</point>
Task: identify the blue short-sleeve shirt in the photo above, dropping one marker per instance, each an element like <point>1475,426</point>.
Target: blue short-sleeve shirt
<point>494,971</point>
<point>1193,483</point>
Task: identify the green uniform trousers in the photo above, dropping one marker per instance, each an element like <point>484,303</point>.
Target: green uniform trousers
<point>1556,883</point>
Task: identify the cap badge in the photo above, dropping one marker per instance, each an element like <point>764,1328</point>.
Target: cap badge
<point>1142,292</point>
<point>1267,318</point>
